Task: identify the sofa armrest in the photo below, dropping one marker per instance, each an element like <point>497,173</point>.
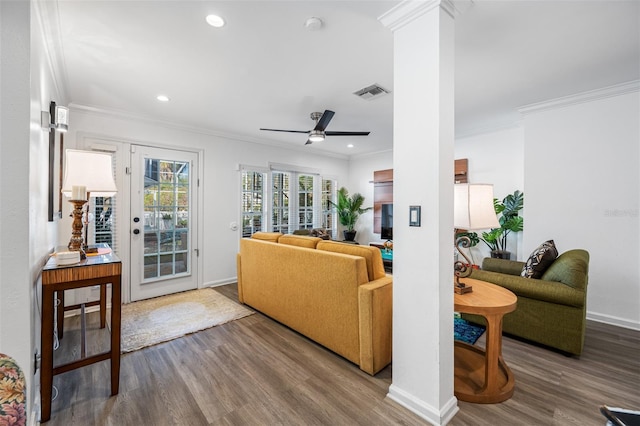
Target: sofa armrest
<point>511,267</point>
<point>375,300</point>
<point>547,291</point>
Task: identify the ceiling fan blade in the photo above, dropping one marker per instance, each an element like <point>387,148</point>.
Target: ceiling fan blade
<point>288,131</point>
<point>324,120</point>
<point>308,142</point>
<point>336,133</point>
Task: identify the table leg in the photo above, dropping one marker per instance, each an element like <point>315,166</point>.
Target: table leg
<point>116,303</point>
<point>493,353</point>
<point>60,313</point>
<point>103,305</point>
<point>46,343</point>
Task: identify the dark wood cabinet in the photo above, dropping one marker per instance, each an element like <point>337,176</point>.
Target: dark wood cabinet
<point>383,188</point>
<point>461,171</point>
<point>382,194</point>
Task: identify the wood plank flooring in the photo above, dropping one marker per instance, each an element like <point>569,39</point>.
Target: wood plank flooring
<point>254,371</point>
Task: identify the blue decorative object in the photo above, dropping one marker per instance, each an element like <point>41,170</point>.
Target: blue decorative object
<point>465,331</point>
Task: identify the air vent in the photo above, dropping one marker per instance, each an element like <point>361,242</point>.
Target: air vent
<point>371,92</point>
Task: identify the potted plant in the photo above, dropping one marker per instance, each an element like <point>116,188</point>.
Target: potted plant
<point>510,221</point>
<point>349,210</point>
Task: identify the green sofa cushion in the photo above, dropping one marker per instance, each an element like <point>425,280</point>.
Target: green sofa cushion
<point>570,268</point>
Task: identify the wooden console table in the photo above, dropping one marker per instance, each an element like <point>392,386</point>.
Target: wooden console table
<point>99,270</point>
<point>482,376</point>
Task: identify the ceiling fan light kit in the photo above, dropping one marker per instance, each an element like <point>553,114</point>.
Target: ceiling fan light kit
<point>316,136</point>
<point>318,133</point>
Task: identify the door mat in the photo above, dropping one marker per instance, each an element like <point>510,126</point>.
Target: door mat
<point>165,318</point>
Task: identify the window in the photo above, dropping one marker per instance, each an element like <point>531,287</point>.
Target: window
<point>102,217</point>
<point>296,200</point>
<point>252,199</point>
<point>305,202</point>
<point>280,202</point>
<point>328,215</point>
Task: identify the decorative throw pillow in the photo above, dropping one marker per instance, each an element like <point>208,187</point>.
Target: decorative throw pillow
<point>541,258</point>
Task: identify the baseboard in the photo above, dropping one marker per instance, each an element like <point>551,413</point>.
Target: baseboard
<point>34,414</point>
<point>611,320</point>
<point>88,310</point>
<point>217,283</point>
<point>432,415</point>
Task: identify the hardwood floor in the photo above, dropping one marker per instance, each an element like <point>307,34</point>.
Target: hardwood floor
<point>254,371</point>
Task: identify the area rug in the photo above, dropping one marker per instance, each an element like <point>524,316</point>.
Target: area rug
<point>465,331</point>
<point>165,318</point>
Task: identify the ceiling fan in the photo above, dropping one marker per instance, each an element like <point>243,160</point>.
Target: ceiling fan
<point>318,133</point>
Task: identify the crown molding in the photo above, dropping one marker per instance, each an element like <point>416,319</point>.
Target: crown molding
<point>490,128</point>
<point>127,116</point>
<point>409,10</point>
<point>48,18</point>
<point>579,98</point>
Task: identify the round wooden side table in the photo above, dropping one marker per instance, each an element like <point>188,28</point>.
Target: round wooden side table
<point>481,375</point>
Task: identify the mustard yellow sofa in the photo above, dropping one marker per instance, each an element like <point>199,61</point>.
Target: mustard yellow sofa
<point>336,294</point>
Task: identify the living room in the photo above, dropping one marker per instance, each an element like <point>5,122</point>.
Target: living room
<point>574,157</point>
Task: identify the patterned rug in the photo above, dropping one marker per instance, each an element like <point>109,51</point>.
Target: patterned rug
<point>465,331</point>
<point>165,318</point>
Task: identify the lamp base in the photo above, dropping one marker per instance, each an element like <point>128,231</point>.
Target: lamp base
<point>75,244</point>
<point>462,290</point>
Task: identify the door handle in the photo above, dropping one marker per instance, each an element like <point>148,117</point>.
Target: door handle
<point>136,231</point>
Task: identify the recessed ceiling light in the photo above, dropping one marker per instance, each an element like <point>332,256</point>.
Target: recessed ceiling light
<point>313,23</point>
<point>350,145</point>
<point>215,21</point>
<point>162,98</point>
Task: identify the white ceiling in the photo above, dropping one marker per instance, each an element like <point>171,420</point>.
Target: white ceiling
<point>264,69</point>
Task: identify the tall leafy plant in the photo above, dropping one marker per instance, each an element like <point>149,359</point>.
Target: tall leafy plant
<point>509,219</point>
<point>349,208</point>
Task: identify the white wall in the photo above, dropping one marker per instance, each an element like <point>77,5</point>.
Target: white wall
<point>361,170</point>
<point>582,189</point>
<point>15,287</point>
<point>26,237</point>
<point>496,158</point>
<point>220,177</point>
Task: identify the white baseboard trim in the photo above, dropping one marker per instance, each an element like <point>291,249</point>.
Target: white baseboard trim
<point>34,415</point>
<point>611,320</point>
<point>432,415</point>
<point>217,283</point>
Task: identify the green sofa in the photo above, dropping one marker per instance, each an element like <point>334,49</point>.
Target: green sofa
<point>551,310</point>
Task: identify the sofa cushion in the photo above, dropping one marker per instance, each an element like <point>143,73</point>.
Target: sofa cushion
<point>541,258</point>
<point>267,236</point>
<point>299,240</point>
<point>570,268</point>
<point>375,267</point>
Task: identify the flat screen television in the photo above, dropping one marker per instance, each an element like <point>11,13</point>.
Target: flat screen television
<point>386,222</point>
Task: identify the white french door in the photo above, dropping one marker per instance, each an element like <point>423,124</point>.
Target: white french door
<point>163,221</point>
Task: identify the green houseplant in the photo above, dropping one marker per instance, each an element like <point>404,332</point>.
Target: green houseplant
<point>510,221</point>
<point>349,209</point>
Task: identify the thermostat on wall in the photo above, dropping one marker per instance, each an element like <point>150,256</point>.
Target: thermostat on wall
<point>67,257</point>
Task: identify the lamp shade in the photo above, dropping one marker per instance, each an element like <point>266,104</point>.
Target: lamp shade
<point>473,207</point>
<point>93,170</point>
